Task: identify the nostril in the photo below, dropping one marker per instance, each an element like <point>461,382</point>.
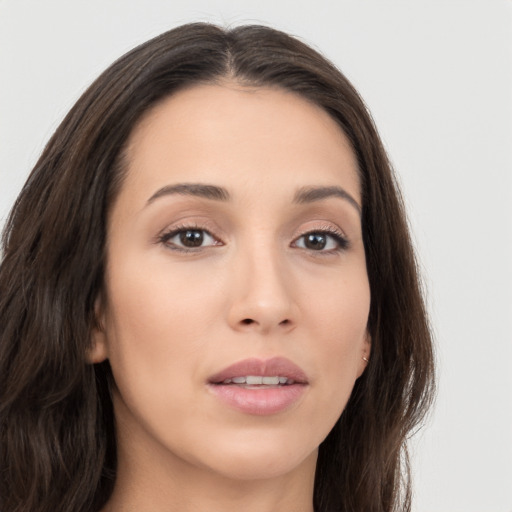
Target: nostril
<point>284,322</point>
<point>247,321</point>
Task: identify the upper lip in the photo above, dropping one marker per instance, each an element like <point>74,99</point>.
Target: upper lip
<point>276,366</point>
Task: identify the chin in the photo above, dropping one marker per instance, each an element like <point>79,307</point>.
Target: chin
<point>259,459</point>
<point>263,468</point>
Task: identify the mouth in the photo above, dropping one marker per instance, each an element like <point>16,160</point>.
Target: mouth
<point>257,381</point>
<point>277,371</point>
<point>259,387</point>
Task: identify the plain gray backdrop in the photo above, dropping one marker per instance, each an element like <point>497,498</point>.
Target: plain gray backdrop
<point>437,76</point>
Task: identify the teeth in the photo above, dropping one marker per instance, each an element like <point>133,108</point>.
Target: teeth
<point>255,380</point>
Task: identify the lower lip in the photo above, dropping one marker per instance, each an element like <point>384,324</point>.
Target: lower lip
<point>258,401</point>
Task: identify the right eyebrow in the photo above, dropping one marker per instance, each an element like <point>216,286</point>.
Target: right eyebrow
<point>192,189</point>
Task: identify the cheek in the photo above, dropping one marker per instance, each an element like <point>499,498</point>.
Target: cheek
<point>154,339</point>
<point>151,302</point>
<point>338,332</point>
<point>339,309</point>
<point>156,324</point>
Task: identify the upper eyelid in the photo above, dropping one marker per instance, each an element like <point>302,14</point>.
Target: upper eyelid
<point>324,228</point>
<point>199,225</point>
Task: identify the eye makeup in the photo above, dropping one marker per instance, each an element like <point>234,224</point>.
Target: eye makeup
<point>195,237</point>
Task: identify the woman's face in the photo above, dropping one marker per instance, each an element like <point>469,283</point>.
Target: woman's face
<point>235,240</point>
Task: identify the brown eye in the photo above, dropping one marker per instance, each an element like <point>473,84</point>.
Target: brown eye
<point>315,241</point>
<point>191,238</point>
<point>188,238</point>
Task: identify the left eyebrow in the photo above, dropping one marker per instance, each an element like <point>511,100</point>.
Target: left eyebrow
<point>312,194</point>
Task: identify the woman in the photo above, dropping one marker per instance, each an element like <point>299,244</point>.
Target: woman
<point>209,296</point>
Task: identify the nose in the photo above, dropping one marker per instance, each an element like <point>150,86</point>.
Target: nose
<point>263,298</point>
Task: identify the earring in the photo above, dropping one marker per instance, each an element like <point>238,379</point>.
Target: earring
<point>364,359</point>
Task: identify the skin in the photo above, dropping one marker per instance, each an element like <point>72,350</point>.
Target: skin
<point>172,318</point>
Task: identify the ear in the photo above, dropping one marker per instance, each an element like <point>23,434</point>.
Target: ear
<point>97,352</point>
<point>365,354</point>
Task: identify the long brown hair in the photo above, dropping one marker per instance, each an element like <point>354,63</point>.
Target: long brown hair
<point>57,442</point>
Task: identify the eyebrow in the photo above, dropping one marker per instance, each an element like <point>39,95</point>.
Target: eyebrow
<point>192,189</point>
<point>312,194</point>
<point>303,196</point>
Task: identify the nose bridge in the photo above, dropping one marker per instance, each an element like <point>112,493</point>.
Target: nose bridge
<point>264,289</point>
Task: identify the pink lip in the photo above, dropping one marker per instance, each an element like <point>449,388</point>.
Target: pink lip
<point>260,401</point>
<point>267,368</point>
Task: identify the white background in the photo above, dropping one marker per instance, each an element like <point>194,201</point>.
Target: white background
<point>437,76</point>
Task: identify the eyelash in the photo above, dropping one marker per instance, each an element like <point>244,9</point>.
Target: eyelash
<point>342,243</point>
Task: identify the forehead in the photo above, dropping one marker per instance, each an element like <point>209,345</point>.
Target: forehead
<point>231,134</point>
